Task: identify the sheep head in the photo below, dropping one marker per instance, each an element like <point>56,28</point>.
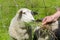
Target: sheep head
<point>25,15</point>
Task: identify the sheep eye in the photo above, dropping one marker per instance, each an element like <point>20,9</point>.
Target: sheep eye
<point>24,13</point>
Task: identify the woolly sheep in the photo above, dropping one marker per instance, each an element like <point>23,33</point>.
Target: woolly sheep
<point>17,28</point>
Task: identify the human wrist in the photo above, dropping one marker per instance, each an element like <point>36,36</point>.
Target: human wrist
<point>56,15</point>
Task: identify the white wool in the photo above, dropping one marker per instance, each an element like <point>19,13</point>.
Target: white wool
<point>38,27</point>
<point>54,25</point>
<point>46,37</point>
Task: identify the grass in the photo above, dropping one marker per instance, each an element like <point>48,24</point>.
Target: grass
<point>8,9</point>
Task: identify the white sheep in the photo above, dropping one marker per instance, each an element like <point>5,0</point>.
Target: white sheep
<point>17,28</point>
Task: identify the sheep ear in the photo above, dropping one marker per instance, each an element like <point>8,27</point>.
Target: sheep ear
<point>34,13</point>
<point>20,14</point>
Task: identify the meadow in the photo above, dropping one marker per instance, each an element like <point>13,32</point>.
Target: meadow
<point>8,9</point>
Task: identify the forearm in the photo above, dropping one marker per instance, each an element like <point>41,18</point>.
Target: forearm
<point>56,15</point>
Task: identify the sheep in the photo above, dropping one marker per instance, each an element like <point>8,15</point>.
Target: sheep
<point>17,28</point>
<point>55,28</point>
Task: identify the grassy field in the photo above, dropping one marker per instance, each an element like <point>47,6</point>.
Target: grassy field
<point>8,9</point>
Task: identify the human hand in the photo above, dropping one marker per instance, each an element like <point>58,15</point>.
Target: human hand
<point>51,18</point>
<point>48,19</point>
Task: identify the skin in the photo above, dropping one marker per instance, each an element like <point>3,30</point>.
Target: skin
<point>51,18</point>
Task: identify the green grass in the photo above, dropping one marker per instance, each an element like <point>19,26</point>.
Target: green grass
<point>8,9</point>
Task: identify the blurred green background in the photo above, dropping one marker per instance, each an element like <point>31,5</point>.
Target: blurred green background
<point>8,9</point>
